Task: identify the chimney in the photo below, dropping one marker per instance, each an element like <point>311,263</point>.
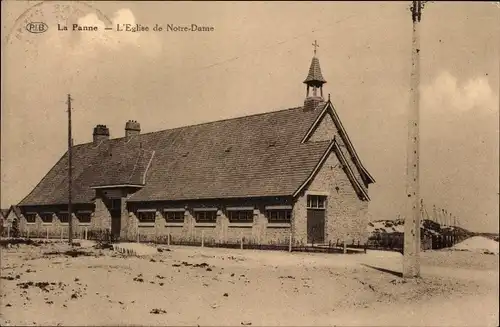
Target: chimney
<point>101,133</point>
<point>132,128</point>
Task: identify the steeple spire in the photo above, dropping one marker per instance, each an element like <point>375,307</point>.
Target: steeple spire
<point>315,81</point>
<point>315,45</point>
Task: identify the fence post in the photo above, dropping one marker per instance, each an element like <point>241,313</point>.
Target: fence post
<point>168,239</point>
<point>138,237</point>
<point>345,247</point>
<point>47,235</point>
<point>290,242</point>
<point>241,240</point>
<point>60,228</point>
<point>85,233</point>
<point>8,231</point>
<point>202,238</point>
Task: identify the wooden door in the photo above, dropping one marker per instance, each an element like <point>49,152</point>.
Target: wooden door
<point>315,226</point>
<point>115,223</point>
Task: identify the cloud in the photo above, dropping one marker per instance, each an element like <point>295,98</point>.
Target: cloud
<point>446,95</point>
<point>111,39</point>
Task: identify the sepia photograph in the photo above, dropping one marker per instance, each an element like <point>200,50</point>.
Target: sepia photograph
<point>239,163</point>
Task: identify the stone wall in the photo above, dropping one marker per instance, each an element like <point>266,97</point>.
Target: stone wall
<point>56,227</point>
<point>346,214</point>
<point>220,231</point>
<point>326,130</point>
<point>101,218</point>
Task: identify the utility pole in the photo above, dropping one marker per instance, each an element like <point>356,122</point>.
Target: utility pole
<point>455,231</point>
<point>434,214</point>
<point>411,258</point>
<point>70,175</point>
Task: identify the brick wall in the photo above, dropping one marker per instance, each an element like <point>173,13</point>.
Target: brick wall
<point>277,235</point>
<point>345,214</point>
<point>101,219</point>
<point>220,231</point>
<point>54,228</point>
<point>326,130</point>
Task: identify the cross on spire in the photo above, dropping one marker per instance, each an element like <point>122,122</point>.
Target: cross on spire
<point>315,45</point>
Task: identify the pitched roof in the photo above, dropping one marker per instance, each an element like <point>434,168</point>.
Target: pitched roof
<point>315,72</point>
<point>4,212</point>
<point>367,177</point>
<point>15,209</point>
<point>251,156</point>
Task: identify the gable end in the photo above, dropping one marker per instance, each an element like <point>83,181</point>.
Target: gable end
<point>365,175</point>
<point>360,190</point>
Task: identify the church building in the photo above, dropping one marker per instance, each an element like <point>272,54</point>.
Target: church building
<point>263,177</point>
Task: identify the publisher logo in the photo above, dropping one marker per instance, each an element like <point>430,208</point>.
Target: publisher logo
<point>37,27</point>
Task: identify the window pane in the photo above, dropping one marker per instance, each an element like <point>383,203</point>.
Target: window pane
<point>147,216</point>
<point>30,217</point>
<point>83,217</point>
<point>240,216</point>
<point>63,217</point>
<point>204,216</point>
<point>46,218</point>
<point>279,215</point>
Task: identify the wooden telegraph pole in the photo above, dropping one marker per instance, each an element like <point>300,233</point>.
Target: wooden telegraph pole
<point>70,175</point>
<point>411,258</point>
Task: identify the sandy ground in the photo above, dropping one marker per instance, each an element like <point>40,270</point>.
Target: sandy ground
<point>203,286</point>
<point>478,244</point>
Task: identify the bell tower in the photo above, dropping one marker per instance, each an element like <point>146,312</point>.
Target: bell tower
<point>314,81</point>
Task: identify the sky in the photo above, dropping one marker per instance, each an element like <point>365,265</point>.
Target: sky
<point>255,61</point>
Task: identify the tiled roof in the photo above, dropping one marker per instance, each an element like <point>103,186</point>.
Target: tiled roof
<point>15,209</point>
<point>4,212</point>
<point>251,156</point>
<point>315,72</point>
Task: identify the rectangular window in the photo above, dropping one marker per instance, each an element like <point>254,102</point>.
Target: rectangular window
<point>84,216</point>
<point>316,202</point>
<point>279,216</point>
<point>46,217</point>
<point>146,216</point>
<point>63,217</point>
<point>115,204</point>
<point>241,216</point>
<point>30,217</point>
<point>206,216</point>
<point>174,216</point>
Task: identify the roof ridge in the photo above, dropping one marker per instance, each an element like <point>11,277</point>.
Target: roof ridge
<point>200,124</point>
